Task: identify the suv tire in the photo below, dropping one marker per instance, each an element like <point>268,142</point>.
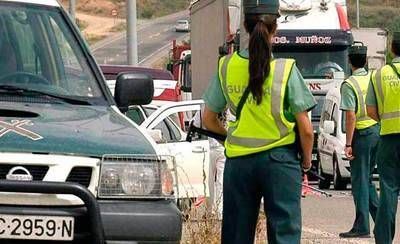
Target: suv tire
<point>338,182</point>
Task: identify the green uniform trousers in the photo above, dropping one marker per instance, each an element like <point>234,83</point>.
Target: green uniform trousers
<point>389,173</point>
<point>274,175</point>
<point>365,196</point>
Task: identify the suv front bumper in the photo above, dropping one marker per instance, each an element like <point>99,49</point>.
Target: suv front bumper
<point>116,221</point>
<point>157,221</point>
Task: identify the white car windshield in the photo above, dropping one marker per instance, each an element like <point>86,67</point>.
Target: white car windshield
<point>41,53</point>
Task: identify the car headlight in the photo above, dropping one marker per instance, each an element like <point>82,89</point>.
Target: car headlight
<point>136,176</point>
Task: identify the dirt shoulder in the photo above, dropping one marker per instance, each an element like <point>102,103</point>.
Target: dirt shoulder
<point>98,28</point>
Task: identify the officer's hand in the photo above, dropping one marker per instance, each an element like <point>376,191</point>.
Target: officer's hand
<point>348,152</point>
<point>307,165</point>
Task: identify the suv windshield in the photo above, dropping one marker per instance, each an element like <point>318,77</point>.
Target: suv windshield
<point>315,63</point>
<point>39,52</point>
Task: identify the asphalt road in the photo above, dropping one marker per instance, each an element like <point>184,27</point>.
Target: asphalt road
<point>153,37</point>
<point>325,217</point>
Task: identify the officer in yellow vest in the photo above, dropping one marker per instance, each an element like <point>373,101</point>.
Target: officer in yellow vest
<point>383,104</point>
<point>268,98</point>
<point>362,136</point>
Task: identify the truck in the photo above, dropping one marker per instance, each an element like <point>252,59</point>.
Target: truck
<point>317,35</point>
<point>376,41</point>
<point>225,28</point>
<point>73,168</point>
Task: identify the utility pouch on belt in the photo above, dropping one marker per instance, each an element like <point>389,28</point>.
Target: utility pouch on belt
<point>242,101</point>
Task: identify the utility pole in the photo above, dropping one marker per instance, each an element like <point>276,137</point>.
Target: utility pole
<point>71,9</point>
<point>358,13</point>
<point>132,32</point>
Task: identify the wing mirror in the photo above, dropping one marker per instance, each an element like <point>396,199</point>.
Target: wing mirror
<point>339,75</point>
<point>156,135</point>
<point>133,89</point>
<point>170,67</point>
<point>329,127</point>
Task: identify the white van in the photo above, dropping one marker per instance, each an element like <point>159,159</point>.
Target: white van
<point>331,143</point>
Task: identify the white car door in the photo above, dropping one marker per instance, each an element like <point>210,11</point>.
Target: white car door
<point>193,158</point>
<point>325,140</point>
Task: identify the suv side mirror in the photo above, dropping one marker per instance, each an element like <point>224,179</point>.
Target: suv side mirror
<point>329,127</point>
<point>133,89</point>
<point>170,67</point>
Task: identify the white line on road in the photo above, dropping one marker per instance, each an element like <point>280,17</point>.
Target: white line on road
<point>155,53</point>
<point>142,26</point>
<point>159,50</point>
<point>155,35</point>
<point>325,235</point>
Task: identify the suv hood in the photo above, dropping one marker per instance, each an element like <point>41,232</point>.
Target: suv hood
<point>69,129</point>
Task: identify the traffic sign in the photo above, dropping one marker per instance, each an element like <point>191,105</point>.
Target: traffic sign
<point>114,12</point>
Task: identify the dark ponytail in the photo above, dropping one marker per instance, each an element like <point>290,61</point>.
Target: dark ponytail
<point>260,28</point>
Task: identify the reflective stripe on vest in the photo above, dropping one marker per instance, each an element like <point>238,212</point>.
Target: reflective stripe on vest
<point>276,109</point>
<point>360,87</point>
<point>277,130</point>
<point>387,90</point>
<point>224,68</point>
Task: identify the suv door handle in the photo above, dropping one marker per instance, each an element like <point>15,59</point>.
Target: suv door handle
<point>199,149</point>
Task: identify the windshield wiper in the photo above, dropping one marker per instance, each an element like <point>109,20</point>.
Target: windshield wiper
<point>23,90</point>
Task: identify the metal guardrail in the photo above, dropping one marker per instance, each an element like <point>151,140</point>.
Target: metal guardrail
<point>93,210</point>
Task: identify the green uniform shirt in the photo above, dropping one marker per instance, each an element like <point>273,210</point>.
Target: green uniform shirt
<point>371,97</point>
<point>298,96</point>
<point>349,99</point>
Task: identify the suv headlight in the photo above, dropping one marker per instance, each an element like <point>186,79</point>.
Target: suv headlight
<point>136,176</point>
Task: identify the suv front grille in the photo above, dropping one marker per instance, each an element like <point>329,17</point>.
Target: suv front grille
<point>80,175</point>
<point>38,172</point>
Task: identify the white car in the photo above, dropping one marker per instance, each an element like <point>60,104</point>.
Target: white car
<point>164,124</point>
<point>182,25</point>
<point>331,142</point>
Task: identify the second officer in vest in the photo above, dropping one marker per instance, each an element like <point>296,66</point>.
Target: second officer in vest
<point>269,98</point>
<point>383,103</point>
<point>362,136</point>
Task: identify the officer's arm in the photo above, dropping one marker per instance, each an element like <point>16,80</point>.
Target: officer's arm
<point>212,123</point>
<point>373,112</point>
<point>306,137</point>
<point>350,126</point>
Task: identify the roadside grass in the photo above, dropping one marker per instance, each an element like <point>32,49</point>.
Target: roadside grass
<point>146,8</point>
<point>92,38</point>
<point>155,8</point>
<point>81,24</point>
<point>377,14</point>
<point>201,226</point>
<point>119,27</point>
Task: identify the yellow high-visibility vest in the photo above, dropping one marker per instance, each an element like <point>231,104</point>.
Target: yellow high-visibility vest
<point>360,87</point>
<point>260,127</point>
<point>386,84</point>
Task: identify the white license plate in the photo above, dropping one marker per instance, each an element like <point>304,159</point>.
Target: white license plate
<point>27,227</point>
<point>314,157</point>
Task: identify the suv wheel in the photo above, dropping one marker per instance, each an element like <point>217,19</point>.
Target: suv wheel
<point>338,182</point>
<point>326,183</point>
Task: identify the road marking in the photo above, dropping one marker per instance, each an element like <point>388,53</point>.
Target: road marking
<point>159,50</point>
<point>155,35</point>
<point>167,29</point>
<point>140,27</point>
<point>155,53</point>
<point>319,234</point>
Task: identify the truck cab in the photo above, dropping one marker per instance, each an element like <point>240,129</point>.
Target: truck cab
<point>73,168</point>
<point>317,35</point>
